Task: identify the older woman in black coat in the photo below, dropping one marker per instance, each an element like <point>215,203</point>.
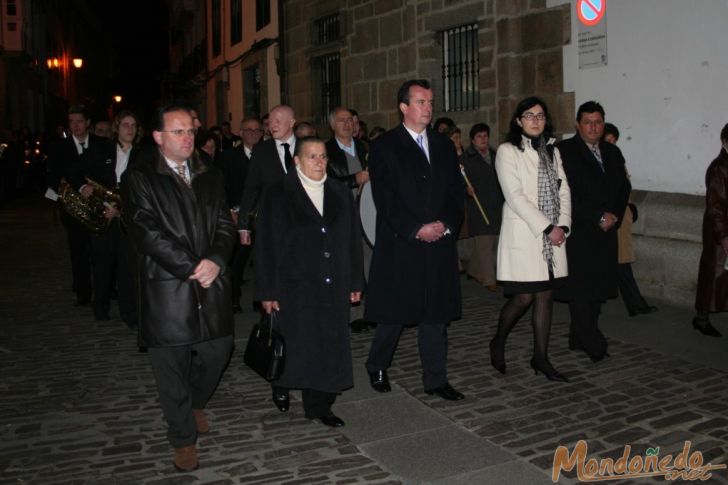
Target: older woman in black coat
<point>308,270</point>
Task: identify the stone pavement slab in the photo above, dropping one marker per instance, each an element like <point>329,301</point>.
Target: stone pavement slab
<point>506,473</point>
<point>391,415</point>
<point>419,456</point>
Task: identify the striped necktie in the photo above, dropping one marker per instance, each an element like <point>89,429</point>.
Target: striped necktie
<point>182,172</point>
<point>598,156</point>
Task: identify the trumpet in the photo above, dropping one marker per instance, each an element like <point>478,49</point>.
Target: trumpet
<point>89,211</point>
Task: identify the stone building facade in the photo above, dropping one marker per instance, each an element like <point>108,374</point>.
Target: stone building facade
<point>381,43</point>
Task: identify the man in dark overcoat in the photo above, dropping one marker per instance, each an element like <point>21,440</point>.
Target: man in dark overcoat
<point>235,162</point>
<point>600,191</point>
<point>183,234</point>
<point>347,163</point>
<point>414,280</point>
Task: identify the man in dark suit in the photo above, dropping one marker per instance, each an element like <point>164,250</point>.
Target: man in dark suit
<point>347,163</point>
<point>235,163</point>
<point>98,163</point>
<point>414,280</point>
<point>347,157</point>
<point>599,194</point>
<point>271,160</point>
<point>183,234</point>
<point>74,158</point>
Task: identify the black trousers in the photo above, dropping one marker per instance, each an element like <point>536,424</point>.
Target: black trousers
<point>432,343</point>
<point>113,266</point>
<point>584,329</point>
<point>126,271</point>
<point>631,295</point>
<point>79,249</point>
<point>237,265</point>
<point>186,377</point>
<point>104,251</point>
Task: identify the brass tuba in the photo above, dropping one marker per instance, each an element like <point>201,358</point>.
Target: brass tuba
<point>89,212</point>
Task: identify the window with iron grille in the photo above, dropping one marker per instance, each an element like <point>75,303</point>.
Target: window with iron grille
<point>327,29</point>
<point>251,92</point>
<point>327,79</point>
<point>236,21</point>
<point>460,68</point>
<point>262,13</point>
<point>216,17</point>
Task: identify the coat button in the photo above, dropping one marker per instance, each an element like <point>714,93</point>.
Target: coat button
<point>327,280</point>
<point>327,254</point>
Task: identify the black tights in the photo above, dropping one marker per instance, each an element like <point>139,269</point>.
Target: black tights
<point>512,312</point>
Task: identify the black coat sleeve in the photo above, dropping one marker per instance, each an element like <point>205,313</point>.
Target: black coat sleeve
<point>268,248</point>
<point>251,190</point>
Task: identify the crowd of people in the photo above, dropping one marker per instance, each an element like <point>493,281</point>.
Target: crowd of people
<point>546,219</point>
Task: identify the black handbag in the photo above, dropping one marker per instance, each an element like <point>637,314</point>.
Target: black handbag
<point>265,352</point>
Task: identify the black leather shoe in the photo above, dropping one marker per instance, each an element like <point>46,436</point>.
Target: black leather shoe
<point>359,325</point>
<point>706,328</point>
<point>600,357</point>
<point>333,421</point>
<point>281,400</point>
<point>642,311</point>
<point>446,392</point>
<point>380,381</point>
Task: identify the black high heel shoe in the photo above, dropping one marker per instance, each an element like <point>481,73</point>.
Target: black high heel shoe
<point>548,370</point>
<point>599,357</point>
<point>499,362</point>
<point>706,328</point>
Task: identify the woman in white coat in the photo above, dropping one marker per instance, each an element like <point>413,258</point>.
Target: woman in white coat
<point>536,220</point>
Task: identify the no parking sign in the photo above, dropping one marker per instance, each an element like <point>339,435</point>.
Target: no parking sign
<point>592,33</point>
<point>591,12</point>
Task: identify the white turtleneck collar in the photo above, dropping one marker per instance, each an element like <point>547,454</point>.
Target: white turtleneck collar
<point>314,189</point>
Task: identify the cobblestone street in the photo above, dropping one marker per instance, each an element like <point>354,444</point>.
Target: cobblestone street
<point>78,402</point>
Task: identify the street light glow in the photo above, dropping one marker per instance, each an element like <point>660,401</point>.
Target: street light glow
<point>78,62</point>
<point>117,98</point>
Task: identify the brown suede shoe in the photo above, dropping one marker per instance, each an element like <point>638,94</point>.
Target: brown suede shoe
<point>201,421</point>
<point>185,459</point>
